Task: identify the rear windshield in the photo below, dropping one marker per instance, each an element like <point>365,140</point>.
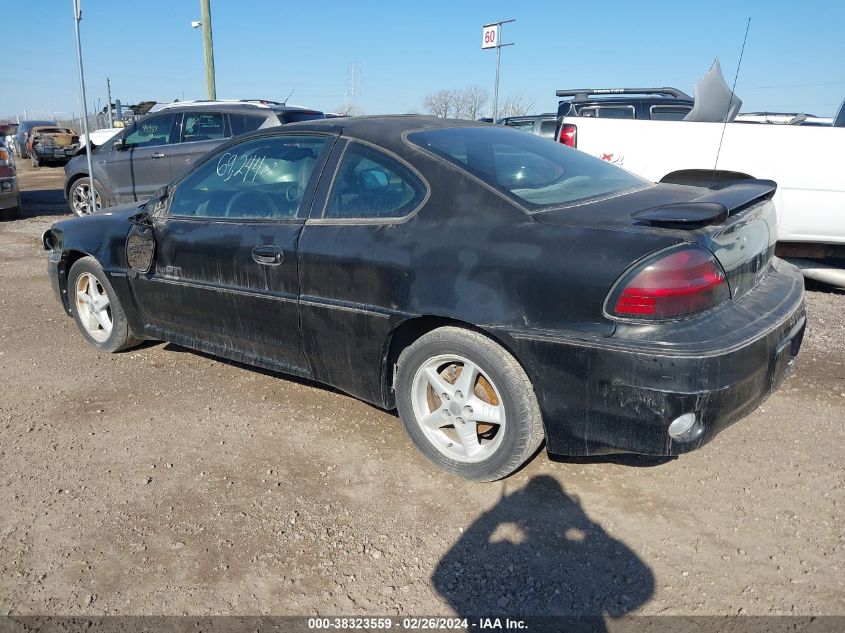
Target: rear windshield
<point>294,117</point>
<point>536,172</point>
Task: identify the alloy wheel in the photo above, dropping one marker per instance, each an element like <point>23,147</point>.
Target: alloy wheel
<point>458,408</point>
<point>81,200</point>
<point>93,307</point>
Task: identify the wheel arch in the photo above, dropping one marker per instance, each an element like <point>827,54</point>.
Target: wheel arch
<point>69,258</point>
<point>406,332</point>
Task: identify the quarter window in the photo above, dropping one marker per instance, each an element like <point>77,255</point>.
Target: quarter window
<point>203,126</point>
<point>262,178</point>
<point>155,130</point>
<point>370,184</point>
<point>243,123</point>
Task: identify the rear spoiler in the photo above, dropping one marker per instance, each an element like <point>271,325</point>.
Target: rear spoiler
<point>722,201</point>
<point>586,93</point>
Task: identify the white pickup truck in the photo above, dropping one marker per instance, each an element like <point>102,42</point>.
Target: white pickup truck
<point>806,161</point>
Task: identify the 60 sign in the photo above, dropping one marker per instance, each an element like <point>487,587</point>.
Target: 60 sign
<point>490,36</point>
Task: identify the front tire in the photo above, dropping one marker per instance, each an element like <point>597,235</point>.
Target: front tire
<point>96,307</point>
<point>467,404</point>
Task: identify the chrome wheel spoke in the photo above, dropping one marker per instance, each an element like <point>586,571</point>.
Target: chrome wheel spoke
<point>468,435</point>
<point>466,380</point>
<point>435,420</point>
<point>437,382</point>
<point>485,412</point>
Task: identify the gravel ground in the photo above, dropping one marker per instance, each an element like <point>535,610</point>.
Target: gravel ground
<point>162,481</point>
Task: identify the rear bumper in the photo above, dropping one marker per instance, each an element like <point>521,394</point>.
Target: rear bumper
<point>611,395</point>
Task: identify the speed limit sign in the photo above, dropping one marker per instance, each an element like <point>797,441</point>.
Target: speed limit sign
<point>490,36</point>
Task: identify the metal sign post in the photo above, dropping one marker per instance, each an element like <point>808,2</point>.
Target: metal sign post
<point>77,16</point>
<point>491,38</point>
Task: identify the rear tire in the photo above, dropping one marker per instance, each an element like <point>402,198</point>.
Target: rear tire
<point>77,198</point>
<point>96,308</point>
<point>481,428</point>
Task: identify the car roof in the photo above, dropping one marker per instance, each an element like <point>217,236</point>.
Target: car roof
<point>385,130</point>
<point>229,106</point>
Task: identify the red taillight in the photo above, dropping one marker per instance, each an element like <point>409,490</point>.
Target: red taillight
<point>675,284</point>
<point>6,172</point>
<point>568,135</point>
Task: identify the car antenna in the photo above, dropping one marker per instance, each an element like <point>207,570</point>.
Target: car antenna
<point>731,100</point>
<point>285,102</point>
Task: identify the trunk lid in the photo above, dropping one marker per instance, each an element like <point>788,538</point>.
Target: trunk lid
<point>736,221</point>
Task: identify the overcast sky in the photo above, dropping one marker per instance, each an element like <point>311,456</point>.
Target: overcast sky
<point>405,49</point>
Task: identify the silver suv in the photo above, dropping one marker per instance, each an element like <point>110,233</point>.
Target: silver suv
<point>163,146</point>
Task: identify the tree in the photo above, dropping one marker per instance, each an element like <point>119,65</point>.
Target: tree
<point>471,102</point>
<point>441,103</point>
<point>517,104</point>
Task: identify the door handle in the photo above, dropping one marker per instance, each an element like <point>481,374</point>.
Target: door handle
<point>156,155</point>
<point>267,255</point>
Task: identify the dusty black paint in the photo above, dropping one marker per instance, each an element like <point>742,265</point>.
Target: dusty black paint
<point>537,283</point>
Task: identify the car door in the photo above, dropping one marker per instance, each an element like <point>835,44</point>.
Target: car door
<point>225,273</point>
<point>142,166</point>
<point>355,263</point>
<point>200,132</point>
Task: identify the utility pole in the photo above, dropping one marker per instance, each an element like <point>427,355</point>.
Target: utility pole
<point>208,47</point>
<point>491,38</point>
<point>77,16</point>
<point>108,103</point>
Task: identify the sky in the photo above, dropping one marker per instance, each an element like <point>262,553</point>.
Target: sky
<point>403,50</point>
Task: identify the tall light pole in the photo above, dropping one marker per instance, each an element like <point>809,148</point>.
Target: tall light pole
<point>491,35</point>
<point>208,47</point>
<point>77,16</point>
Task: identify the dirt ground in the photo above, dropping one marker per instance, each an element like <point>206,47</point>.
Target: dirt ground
<point>162,481</point>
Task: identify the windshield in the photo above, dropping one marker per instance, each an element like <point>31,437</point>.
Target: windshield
<point>536,172</point>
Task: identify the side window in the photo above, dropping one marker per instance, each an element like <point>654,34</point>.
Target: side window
<point>669,113</point>
<point>616,112</point>
<point>547,128</point>
<point>155,130</point>
<point>243,123</point>
<point>370,184</point>
<point>263,178</point>
<point>203,126</point>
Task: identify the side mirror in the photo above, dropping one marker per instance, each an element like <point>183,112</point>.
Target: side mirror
<point>119,145</point>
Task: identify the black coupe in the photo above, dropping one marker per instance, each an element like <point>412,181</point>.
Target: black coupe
<point>495,287</point>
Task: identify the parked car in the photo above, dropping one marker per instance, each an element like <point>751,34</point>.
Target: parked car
<point>540,124</point>
<point>495,287</point>
<point>10,196</point>
<point>21,135</point>
<point>51,144</point>
<point>656,104</point>
<point>161,147</point>
<point>805,160</point>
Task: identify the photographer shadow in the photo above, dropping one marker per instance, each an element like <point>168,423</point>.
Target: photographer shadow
<point>536,553</point>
